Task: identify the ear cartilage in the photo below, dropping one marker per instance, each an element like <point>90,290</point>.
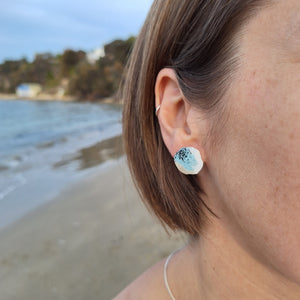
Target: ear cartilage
<point>188,161</point>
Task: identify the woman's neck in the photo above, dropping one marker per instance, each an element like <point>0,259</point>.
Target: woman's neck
<point>222,269</point>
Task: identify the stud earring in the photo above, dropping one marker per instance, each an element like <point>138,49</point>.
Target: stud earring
<point>188,161</point>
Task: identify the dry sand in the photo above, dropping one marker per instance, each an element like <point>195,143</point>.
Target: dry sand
<point>39,97</point>
<point>88,243</point>
<point>51,97</point>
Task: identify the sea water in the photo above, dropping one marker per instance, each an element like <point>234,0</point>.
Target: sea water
<point>43,146</point>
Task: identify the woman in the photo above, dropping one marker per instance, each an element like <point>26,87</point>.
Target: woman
<point>220,77</point>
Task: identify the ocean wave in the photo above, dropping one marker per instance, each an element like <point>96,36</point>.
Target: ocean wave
<point>11,184</point>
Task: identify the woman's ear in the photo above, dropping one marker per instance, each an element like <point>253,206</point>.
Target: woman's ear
<point>176,116</point>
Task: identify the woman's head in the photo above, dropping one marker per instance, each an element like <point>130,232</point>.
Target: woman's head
<point>198,40</point>
<point>226,74</point>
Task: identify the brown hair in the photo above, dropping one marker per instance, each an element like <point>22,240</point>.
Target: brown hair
<point>198,39</point>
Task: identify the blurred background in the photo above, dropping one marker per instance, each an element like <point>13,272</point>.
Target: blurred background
<point>71,223</point>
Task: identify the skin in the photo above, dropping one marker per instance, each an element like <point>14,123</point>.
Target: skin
<point>251,177</point>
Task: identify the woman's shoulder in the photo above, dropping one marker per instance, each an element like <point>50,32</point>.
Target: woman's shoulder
<point>149,285</point>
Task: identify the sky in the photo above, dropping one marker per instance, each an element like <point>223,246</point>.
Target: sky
<point>28,27</point>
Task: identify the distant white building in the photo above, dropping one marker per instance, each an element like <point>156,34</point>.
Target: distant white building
<point>94,55</point>
<point>28,90</point>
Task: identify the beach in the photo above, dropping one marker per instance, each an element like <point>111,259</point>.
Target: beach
<point>87,243</point>
<point>71,223</point>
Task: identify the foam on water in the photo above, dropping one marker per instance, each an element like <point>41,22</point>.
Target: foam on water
<point>9,184</point>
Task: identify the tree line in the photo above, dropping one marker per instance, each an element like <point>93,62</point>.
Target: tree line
<point>71,71</point>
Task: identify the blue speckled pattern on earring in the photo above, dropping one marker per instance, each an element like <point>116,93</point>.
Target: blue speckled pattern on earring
<point>188,161</point>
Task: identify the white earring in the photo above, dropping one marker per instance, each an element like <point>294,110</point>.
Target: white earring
<point>188,161</point>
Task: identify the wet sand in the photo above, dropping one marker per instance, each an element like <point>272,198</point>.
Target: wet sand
<point>94,155</point>
<point>88,243</point>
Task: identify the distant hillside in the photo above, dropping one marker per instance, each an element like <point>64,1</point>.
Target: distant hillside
<point>71,73</point>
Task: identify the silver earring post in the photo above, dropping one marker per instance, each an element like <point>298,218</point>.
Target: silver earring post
<point>157,109</point>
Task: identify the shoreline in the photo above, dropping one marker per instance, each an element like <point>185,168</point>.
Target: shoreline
<point>89,242</point>
<point>40,97</point>
<point>49,146</point>
<point>49,97</point>
<point>39,187</point>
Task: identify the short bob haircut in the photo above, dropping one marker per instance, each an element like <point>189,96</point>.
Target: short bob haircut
<point>198,39</point>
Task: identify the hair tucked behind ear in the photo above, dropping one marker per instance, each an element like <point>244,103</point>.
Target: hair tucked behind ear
<point>198,39</point>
